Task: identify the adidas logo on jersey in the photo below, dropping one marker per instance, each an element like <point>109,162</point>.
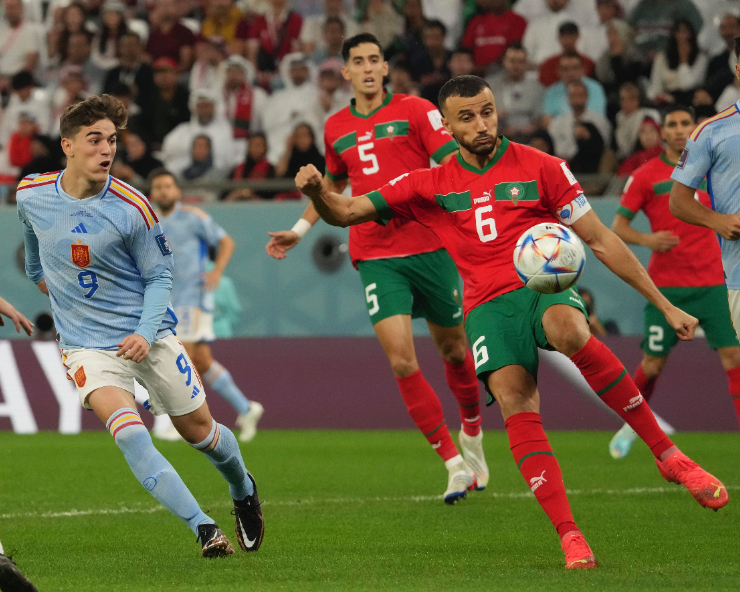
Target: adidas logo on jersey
<point>80,229</point>
<point>536,482</point>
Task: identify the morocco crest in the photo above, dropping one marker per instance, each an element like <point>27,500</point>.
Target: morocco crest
<point>81,255</point>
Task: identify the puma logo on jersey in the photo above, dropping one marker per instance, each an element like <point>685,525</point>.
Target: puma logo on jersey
<point>365,137</point>
<point>536,482</point>
<point>634,402</point>
<point>481,199</point>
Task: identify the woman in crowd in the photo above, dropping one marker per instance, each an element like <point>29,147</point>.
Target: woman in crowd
<point>680,69</point>
<point>255,168</point>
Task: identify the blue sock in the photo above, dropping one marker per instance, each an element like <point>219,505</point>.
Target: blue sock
<point>220,380</point>
<point>152,469</point>
<point>222,450</point>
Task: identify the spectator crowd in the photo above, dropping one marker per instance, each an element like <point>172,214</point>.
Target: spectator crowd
<point>241,89</point>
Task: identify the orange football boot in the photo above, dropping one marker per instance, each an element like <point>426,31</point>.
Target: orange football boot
<point>578,555</point>
<point>705,488</point>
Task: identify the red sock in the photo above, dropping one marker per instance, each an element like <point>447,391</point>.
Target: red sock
<point>463,382</point>
<point>426,411</point>
<point>606,375</point>
<point>733,377</point>
<point>645,385</point>
<point>540,469</point>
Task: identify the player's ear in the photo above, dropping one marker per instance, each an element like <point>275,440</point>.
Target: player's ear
<point>345,73</point>
<point>67,147</point>
<point>385,68</point>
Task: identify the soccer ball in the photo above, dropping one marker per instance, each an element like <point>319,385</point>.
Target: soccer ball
<point>549,258</point>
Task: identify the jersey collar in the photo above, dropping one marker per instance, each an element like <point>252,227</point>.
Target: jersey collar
<point>356,113</point>
<point>496,157</point>
<point>664,158</point>
<point>65,196</point>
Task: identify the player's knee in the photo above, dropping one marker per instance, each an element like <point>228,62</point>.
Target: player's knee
<point>652,366</point>
<point>730,357</point>
<point>566,329</point>
<point>453,351</point>
<point>403,366</point>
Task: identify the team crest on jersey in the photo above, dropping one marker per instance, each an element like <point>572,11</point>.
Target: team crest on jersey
<point>515,191</point>
<point>80,378</point>
<point>81,255</point>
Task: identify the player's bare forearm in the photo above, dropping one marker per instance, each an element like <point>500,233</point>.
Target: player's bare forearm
<point>621,227</point>
<point>612,252</point>
<point>310,215</point>
<point>684,207</point>
<point>225,251</point>
<point>334,208</point>
<point>18,319</point>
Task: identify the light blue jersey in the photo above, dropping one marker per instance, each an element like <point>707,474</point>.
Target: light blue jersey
<point>106,261</point>
<point>190,231</point>
<point>713,150</point>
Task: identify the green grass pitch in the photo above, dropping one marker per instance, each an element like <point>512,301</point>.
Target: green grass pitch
<point>362,511</point>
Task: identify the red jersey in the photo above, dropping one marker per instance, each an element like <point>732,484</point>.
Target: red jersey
<point>488,35</point>
<point>396,138</point>
<point>479,214</point>
<point>696,260</point>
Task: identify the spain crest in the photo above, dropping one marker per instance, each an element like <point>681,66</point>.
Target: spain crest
<point>80,377</point>
<point>81,255</point>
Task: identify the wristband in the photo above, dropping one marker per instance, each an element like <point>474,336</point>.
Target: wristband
<point>301,227</point>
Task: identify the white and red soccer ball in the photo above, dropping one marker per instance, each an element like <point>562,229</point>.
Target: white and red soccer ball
<point>549,258</point>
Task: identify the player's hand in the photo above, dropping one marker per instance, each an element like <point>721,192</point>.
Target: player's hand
<point>18,319</point>
<point>662,241</point>
<point>211,279</point>
<point>684,324</point>
<point>308,180</point>
<point>134,347</point>
<point>728,226</point>
<point>42,286</point>
<point>281,242</point>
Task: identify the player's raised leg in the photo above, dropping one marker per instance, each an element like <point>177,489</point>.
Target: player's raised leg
<point>396,337</point>
<point>116,408</point>
<point>516,392</point>
<point>219,444</point>
<point>730,357</point>
<point>221,381</point>
<point>567,330</point>
<point>168,369</point>
<point>645,377</point>
<point>452,345</point>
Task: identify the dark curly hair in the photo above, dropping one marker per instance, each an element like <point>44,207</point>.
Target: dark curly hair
<point>89,111</point>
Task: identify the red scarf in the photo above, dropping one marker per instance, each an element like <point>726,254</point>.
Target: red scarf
<point>243,111</point>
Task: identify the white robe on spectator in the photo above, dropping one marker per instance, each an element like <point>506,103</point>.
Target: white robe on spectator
<point>562,129</point>
<point>178,144</point>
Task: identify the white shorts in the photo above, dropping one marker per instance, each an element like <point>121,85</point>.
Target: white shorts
<point>734,297</point>
<point>167,373</point>
<point>194,325</point>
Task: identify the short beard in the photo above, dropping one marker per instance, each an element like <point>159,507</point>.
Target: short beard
<point>479,150</point>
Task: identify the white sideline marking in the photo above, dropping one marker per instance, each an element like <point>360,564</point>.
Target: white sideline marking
<point>354,500</point>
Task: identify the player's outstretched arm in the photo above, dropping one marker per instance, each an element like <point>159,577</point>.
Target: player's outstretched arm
<point>613,253</point>
<point>8,310</point>
<point>284,240</point>
<point>334,208</point>
<point>660,242</point>
<point>684,207</point>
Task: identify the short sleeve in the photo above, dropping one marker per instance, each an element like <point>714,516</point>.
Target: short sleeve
<point>633,198</point>
<point>149,248</point>
<point>336,168</point>
<point>211,232</point>
<point>435,138</point>
<point>404,196</point>
<point>563,195</point>
<point>695,161</point>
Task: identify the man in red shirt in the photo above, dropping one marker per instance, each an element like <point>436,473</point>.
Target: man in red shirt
<point>169,38</point>
<point>404,268</point>
<point>549,70</point>
<point>686,265</point>
<point>490,33</point>
<point>479,203</point>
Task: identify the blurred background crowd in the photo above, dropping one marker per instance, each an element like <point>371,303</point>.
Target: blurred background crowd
<point>240,90</point>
